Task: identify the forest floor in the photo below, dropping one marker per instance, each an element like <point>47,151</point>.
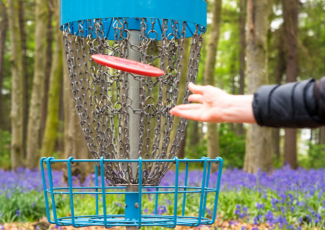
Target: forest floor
<point>44,225</point>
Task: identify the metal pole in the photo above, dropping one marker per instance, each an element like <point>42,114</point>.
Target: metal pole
<point>134,121</point>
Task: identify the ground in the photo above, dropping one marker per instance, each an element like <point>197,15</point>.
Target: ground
<point>43,224</point>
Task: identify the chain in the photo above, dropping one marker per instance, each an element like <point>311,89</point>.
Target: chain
<point>101,93</point>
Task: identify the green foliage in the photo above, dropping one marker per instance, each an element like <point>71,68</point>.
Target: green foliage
<point>233,205</point>
<point>315,157</point>
<point>5,139</point>
<point>232,147</point>
<point>22,207</point>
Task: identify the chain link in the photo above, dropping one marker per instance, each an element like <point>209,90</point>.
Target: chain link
<point>101,93</point>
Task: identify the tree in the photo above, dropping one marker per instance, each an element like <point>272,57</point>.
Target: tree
<point>290,16</point>
<point>33,139</point>
<point>74,140</point>
<point>25,72</point>
<point>258,139</point>
<point>3,37</point>
<point>280,71</point>
<point>49,38</point>
<point>181,92</point>
<point>209,75</point>
<point>52,120</point>
<point>242,54</point>
<point>17,86</point>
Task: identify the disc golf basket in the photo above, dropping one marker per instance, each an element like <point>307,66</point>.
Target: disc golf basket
<point>125,63</point>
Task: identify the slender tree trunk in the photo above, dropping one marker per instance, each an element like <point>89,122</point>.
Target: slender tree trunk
<point>280,71</point>
<point>258,139</point>
<point>49,39</point>
<point>242,54</point>
<point>209,78</point>
<point>290,16</point>
<point>74,140</point>
<point>52,120</point>
<point>181,153</point>
<point>3,37</point>
<point>33,143</point>
<point>195,134</point>
<point>181,91</point>
<point>17,86</point>
<point>25,72</point>
<point>321,138</point>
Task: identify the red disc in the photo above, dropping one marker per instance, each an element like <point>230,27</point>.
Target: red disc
<point>127,65</point>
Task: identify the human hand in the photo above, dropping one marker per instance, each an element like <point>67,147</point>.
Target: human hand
<point>216,106</point>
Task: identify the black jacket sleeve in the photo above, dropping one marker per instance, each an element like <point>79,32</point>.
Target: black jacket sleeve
<point>292,105</point>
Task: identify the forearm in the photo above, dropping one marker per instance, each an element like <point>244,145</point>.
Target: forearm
<point>291,105</point>
<point>239,110</point>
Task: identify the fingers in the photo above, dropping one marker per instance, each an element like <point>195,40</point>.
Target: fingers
<point>187,107</point>
<point>196,98</point>
<point>197,89</point>
<point>190,111</point>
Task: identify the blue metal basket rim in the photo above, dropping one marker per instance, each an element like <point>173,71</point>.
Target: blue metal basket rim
<point>53,160</point>
<point>197,190</point>
<point>116,220</point>
<point>193,11</point>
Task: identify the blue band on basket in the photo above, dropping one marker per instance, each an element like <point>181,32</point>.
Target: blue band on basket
<point>77,12</point>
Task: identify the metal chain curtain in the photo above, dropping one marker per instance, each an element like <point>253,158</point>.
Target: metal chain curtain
<point>101,93</point>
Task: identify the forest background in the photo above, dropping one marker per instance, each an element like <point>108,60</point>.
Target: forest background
<point>249,43</point>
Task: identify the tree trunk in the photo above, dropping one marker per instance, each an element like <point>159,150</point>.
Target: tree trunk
<point>74,140</point>
<point>242,54</point>
<point>195,134</point>
<point>49,39</point>
<point>209,78</point>
<point>52,119</point>
<point>290,16</point>
<point>321,137</point>
<point>25,72</point>
<point>181,91</point>
<point>280,71</point>
<point>17,86</point>
<point>181,153</point>
<point>3,37</point>
<point>33,145</point>
<point>258,139</point>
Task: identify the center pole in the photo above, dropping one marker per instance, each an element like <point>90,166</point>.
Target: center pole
<point>131,200</point>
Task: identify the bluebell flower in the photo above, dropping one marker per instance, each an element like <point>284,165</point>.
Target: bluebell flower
<point>18,213</point>
<point>146,210</point>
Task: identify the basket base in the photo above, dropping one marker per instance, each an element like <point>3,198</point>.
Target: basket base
<point>119,220</point>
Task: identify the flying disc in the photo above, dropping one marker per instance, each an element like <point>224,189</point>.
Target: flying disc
<point>127,65</point>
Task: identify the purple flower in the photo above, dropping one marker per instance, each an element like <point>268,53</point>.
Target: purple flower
<point>18,213</point>
<point>146,210</point>
<point>162,209</point>
<point>259,206</point>
<point>209,211</point>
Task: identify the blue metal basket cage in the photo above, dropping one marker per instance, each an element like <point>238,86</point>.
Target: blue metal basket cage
<point>134,214</point>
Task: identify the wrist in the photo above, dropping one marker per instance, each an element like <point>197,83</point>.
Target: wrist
<point>239,109</point>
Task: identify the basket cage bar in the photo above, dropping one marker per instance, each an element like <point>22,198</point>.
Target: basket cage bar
<point>130,218</point>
